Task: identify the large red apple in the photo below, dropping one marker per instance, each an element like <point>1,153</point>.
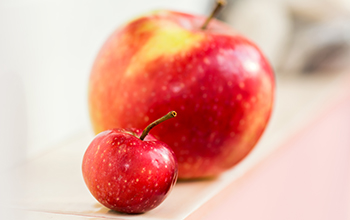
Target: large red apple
<point>219,82</point>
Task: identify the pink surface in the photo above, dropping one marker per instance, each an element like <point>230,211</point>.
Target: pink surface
<point>308,178</point>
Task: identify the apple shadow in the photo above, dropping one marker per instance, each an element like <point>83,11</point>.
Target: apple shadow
<point>102,209</point>
<point>123,214</point>
<point>196,180</point>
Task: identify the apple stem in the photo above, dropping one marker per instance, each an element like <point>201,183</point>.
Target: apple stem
<point>145,132</point>
<point>219,5</point>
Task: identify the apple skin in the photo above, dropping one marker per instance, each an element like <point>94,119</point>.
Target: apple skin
<point>219,82</point>
<point>126,174</point>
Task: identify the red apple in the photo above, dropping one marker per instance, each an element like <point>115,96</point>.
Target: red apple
<point>219,82</point>
<point>129,172</point>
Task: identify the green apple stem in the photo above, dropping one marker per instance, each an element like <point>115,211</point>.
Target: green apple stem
<point>219,5</point>
<point>145,132</point>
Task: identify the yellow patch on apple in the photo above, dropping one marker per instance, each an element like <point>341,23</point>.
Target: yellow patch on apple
<point>166,41</point>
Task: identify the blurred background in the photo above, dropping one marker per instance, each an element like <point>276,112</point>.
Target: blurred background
<point>47,48</point>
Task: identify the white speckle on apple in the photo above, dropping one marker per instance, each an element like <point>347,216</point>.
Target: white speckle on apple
<point>220,59</point>
<point>200,69</point>
<point>206,61</point>
<point>110,164</point>
<point>182,107</point>
<point>109,183</point>
<point>176,88</point>
<point>104,160</point>
<point>146,118</point>
<point>239,97</point>
<point>247,105</point>
<point>229,83</point>
<point>176,144</point>
<point>241,122</point>
<point>241,85</point>
<point>215,107</point>
<point>193,79</point>
<point>253,99</point>
<point>205,96</point>
<point>187,166</point>
<point>220,89</point>
<point>183,138</point>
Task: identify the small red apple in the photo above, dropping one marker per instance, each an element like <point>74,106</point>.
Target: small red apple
<point>219,82</point>
<point>129,171</point>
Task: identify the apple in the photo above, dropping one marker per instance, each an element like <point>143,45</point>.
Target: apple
<point>129,171</point>
<point>218,81</point>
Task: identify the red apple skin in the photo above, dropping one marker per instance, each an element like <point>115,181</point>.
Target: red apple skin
<point>219,82</point>
<point>126,174</point>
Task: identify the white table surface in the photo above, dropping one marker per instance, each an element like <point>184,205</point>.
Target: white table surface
<point>51,185</point>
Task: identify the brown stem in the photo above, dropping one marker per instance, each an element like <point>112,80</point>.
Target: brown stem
<point>219,5</point>
<point>145,132</point>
